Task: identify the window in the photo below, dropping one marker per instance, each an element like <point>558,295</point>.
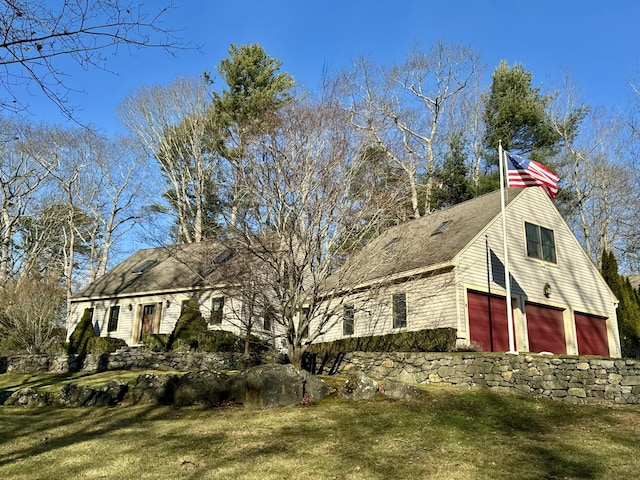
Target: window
<point>114,313</point>
<point>268,318</point>
<point>223,257</point>
<point>144,266</point>
<point>540,242</point>
<point>441,227</point>
<point>399,310</point>
<point>217,306</point>
<point>347,320</point>
<point>303,322</point>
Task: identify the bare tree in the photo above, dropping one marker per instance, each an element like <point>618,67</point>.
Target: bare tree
<point>303,216</point>
<point>600,200</point>
<point>403,110</point>
<point>31,308</point>
<point>112,200</point>
<point>38,34</point>
<point>20,177</point>
<point>172,123</point>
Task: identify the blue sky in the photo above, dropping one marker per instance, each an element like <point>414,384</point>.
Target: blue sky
<point>596,43</point>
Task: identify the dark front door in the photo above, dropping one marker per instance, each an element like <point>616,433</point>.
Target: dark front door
<point>148,316</point>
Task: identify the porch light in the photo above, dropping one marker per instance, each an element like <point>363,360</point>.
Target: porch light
<point>546,290</point>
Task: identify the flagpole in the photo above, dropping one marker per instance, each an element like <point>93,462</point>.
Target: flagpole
<point>507,276</point>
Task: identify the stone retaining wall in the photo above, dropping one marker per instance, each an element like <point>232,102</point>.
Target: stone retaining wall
<point>133,359</point>
<point>573,379</point>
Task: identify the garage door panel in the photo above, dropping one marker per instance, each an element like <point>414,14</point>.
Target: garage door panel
<point>591,333</point>
<point>545,327</point>
<point>488,324</point>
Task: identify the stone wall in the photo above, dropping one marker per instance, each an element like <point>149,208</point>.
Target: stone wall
<point>129,359</point>
<point>573,379</point>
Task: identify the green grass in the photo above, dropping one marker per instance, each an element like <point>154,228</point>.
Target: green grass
<point>449,434</point>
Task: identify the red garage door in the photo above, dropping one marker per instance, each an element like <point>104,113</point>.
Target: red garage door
<point>545,327</point>
<point>488,325</point>
<point>591,333</point>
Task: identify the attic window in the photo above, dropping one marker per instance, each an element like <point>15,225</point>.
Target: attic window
<point>391,242</point>
<point>441,227</point>
<point>144,266</point>
<point>223,257</point>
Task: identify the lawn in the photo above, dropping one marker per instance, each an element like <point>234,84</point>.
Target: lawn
<point>448,434</point>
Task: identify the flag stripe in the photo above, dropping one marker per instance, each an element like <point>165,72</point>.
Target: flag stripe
<point>522,173</point>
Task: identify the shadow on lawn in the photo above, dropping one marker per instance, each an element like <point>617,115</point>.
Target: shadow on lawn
<point>82,425</point>
<point>495,436</point>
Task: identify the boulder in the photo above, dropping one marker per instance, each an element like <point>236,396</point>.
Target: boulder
<point>73,395</point>
<point>272,386</point>
<point>204,388</point>
<point>358,386</point>
<point>400,390</point>
<point>28,397</point>
<point>110,395</point>
<point>154,389</point>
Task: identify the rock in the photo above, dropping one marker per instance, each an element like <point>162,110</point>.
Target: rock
<point>110,395</point>
<point>154,389</point>
<point>400,390</point>
<point>73,395</point>
<point>358,386</point>
<point>271,386</point>
<point>206,388</point>
<point>28,397</point>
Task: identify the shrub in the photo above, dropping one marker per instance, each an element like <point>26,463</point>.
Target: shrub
<point>189,327</point>
<point>79,339</point>
<point>156,342</point>
<point>218,341</point>
<point>224,341</point>
<point>103,345</point>
<point>433,340</point>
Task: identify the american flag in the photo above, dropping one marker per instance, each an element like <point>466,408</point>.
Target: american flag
<point>522,173</point>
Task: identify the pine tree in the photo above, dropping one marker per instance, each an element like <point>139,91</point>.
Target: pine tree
<point>628,308</point>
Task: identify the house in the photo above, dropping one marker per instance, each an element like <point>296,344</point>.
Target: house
<point>146,292</point>
<point>447,270</point>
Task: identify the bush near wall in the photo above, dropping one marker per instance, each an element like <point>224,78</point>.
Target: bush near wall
<point>102,345</point>
<point>433,340</point>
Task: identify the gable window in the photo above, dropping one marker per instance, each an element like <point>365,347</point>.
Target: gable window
<point>348,316</point>
<point>540,242</point>
<point>114,313</point>
<point>217,306</point>
<point>399,310</point>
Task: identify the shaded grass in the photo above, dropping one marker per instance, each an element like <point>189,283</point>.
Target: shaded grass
<point>448,434</point>
<point>53,382</point>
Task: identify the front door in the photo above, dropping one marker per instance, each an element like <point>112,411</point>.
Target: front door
<point>148,317</point>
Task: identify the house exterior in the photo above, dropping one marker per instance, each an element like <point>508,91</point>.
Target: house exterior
<point>447,270</point>
<point>145,293</point>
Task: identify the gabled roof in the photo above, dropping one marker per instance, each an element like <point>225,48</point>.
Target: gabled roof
<point>171,268</point>
<point>430,241</point>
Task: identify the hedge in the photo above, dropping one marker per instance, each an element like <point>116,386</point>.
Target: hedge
<point>433,340</point>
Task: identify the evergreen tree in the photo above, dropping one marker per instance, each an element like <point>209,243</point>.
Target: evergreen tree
<point>516,114</point>
<point>628,307</point>
<point>189,327</point>
<point>83,333</point>
<point>453,184</point>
